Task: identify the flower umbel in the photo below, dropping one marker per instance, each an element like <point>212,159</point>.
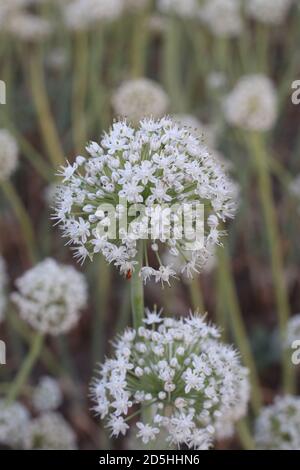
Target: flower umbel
<point>178,370</point>
<point>155,169</point>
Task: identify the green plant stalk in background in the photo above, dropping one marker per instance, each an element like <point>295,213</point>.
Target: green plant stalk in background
<point>237,325</point>
<point>137,289</point>
<point>257,144</point>
<point>26,368</point>
<point>79,91</point>
<point>43,110</point>
<point>22,217</point>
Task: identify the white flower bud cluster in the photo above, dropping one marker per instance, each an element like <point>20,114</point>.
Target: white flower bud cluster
<point>3,281</point>
<point>47,395</point>
<point>14,419</point>
<point>252,104</point>
<point>200,130</point>
<point>223,17</point>
<point>278,425</point>
<point>49,431</point>
<point>29,27</point>
<point>50,297</point>
<point>8,154</point>
<point>180,372</point>
<point>268,11</point>
<point>158,164</point>
<point>138,99</point>
<point>85,14</point>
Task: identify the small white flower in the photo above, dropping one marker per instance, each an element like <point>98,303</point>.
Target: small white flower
<point>50,297</point>
<point>223,17</point>
<point>138,99</point>
<point>47,396</point>
<point>278,425</point>
<point>146,433</point>
<point>50,431</point>
<point>252,104</point>
<point>268,11</point>
<point>14,420</point>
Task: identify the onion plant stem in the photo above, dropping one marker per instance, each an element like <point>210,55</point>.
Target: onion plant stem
<point>26,368</point>
<point>237,325</point>
<point>79,94</point>
<point>22,216</point>
<point>196,295</point>
<point>257,146</point>
<point>43,110</point>
<point>137,289</point>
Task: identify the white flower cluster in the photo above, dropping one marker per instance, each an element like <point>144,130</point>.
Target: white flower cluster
<point>180,374</point>
<point>47,395</point>
<point>49,431</point>
<point>278,425</point>
<point>85,14</point>
<point>157,165</point>
<point>14,419</point>
<point>3,281</point>
<point>29,27</point>
<point>268,11</point>
<point>8,154</point>
<point>50,297</point>
<point>223,17</point>
<point>252,104</point>
<point>293,331</point>
<point>138,99</point>
<point>207,132</point>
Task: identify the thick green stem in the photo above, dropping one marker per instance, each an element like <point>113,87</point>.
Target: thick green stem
<point>137,290</point>
<point>238,327</point>
<point>196,295</point>
<point>22,216</point>
<point>244,435</point>
<point>43,110</point>
<point>26,368</point>
<point>80,83</point>
<point>269,212</point>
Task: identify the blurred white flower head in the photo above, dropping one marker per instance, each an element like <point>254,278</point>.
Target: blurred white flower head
<point>268,11</point>
<point>29,27</point>
<point>181,372</point>
<point>278,425</point>
<point>14,420</point>
<point>138,99</point>
<point>158,169</point>
<point>85,14</point>
<point>8,154</point>
<point>47,395</point>
<point>50,297</point>
<point>50,431</point>
<point>252,104</point>
<point>3,282</point>
<point>295,187</point>
<point>223,17</point>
